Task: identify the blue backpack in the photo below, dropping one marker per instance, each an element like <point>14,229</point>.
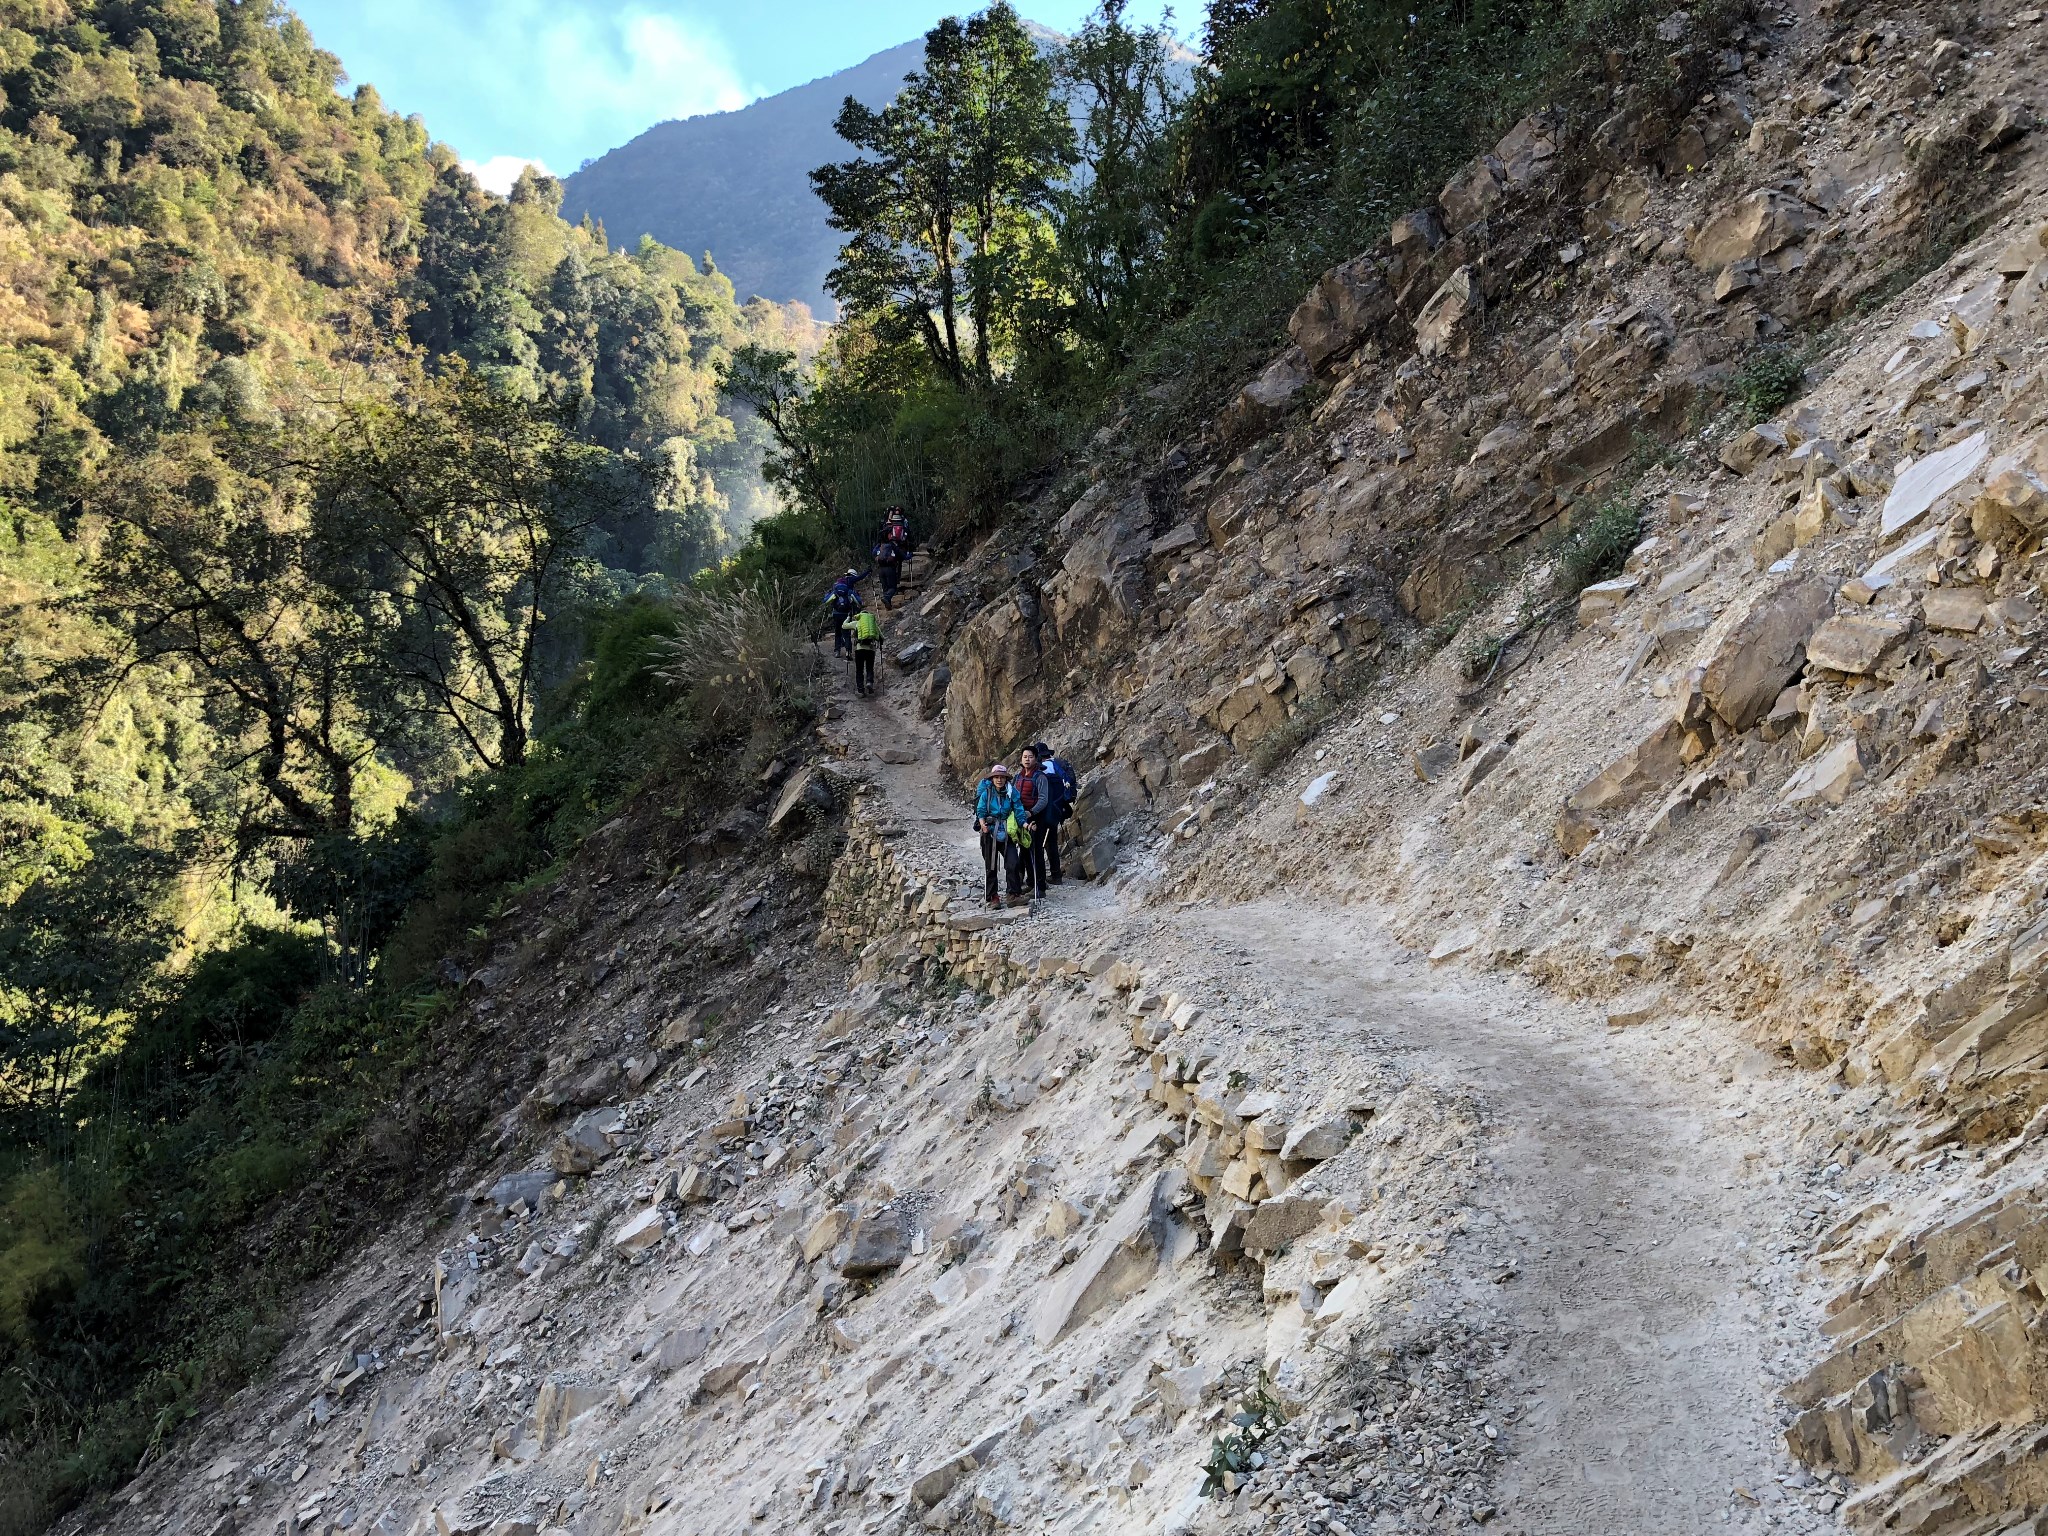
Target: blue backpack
<point>1064,789</point>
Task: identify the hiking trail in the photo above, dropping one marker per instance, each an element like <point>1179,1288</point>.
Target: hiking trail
<point>1615,1187</point>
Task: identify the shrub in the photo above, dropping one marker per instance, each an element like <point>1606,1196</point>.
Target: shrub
<point>735,654</point>
<point>1595,549</point>
<point>1770,378</point>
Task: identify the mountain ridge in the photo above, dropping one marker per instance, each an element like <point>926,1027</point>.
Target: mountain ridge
<point>735,186</point>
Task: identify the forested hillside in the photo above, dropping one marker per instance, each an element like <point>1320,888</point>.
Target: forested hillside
<point>321,472</point>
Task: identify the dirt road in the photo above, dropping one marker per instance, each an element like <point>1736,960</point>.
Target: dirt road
<point>1617,1193</point>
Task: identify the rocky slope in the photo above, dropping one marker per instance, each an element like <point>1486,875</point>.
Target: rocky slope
<point>1782,770</point>
<point>1097,1219</point>
<point>1586,1074</point>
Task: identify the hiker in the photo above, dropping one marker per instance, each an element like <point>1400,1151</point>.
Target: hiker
<point>897,531</point>
<point>999,820</point>
<point>842,603</point>
<point>889,566</point>
<point>1034,794</point>
<point>866,632</point>
<point>1065,791</point>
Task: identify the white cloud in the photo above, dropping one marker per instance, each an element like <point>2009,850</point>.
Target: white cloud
<point>500,171</point>
<point>553,80</point>
<point>596,80</point>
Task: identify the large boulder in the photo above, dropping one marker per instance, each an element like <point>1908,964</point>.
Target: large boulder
<point>806,788</point>
<point>931,694</point>
<point>1854,645</point>
<point>2015,499</point>
<point>1752,227</point>
<point>1417,257</point>
<point>1348,305</point>
<point>1261,404</point>
<point>1650,763</point>
<point>1923,483</point>
<point>1140,1238</point>
<point>1764,651</point>
<point>1528,151</point>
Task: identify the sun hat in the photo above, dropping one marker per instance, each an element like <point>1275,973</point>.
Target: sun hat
<point>999,770</point>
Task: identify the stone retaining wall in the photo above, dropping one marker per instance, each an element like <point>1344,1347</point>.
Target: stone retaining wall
<point>902,920</point>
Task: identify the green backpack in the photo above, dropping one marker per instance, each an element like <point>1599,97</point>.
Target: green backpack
<point>1020,832</point>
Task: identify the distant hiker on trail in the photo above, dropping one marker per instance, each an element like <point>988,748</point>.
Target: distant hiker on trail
<point>1000,821</point>
<point>897,531</point>
<point>1034,794</point>
<point>866,631</point>
<point>1064,793</point>
<point>889,566</point>
<point>841,604</point>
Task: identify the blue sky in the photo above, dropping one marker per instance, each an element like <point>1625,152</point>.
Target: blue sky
<point>562,81</point>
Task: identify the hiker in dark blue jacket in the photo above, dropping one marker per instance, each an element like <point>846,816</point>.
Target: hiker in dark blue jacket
<point>889,566</point>
<point>1060,780</point>
<point>842,603</point>
<point>1034,793</point>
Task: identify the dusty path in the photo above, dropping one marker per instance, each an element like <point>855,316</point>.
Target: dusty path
<point>1619,1202</point>
<point>1616,1195</point>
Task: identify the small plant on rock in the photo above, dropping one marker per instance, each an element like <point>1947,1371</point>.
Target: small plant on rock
<point>1236,1454</point>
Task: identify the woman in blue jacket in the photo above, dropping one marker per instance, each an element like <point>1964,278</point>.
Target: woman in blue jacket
<point>996,809</point>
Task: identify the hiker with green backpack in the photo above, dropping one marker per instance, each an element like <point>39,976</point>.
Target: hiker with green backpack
<point>866,630</point>
<point>1000,819</point>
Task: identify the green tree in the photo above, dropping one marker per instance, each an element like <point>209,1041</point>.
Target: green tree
<point>957,175</point>
<point>76,950</point>
<point>1114,218</point>
<point>447,523</point>
<point>203,568</point>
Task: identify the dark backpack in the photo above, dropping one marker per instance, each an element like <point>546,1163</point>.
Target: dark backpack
<point>886,553</point>
<point>1064,789</point>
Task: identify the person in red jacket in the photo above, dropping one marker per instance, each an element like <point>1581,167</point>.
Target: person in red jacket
<point>1035,796</point>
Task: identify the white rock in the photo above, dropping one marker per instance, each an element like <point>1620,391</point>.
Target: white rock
<point>1353,1295</point>
<point>1318,787</point>
<point>1923,484</point>
<point>640,1232</point>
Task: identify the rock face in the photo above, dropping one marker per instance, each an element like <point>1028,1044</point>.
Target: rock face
<point>997,690</point>
<point>1001,668</point>
<point>1447,320</point>
<point>1764,651</point>
<point>1348,305</point>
